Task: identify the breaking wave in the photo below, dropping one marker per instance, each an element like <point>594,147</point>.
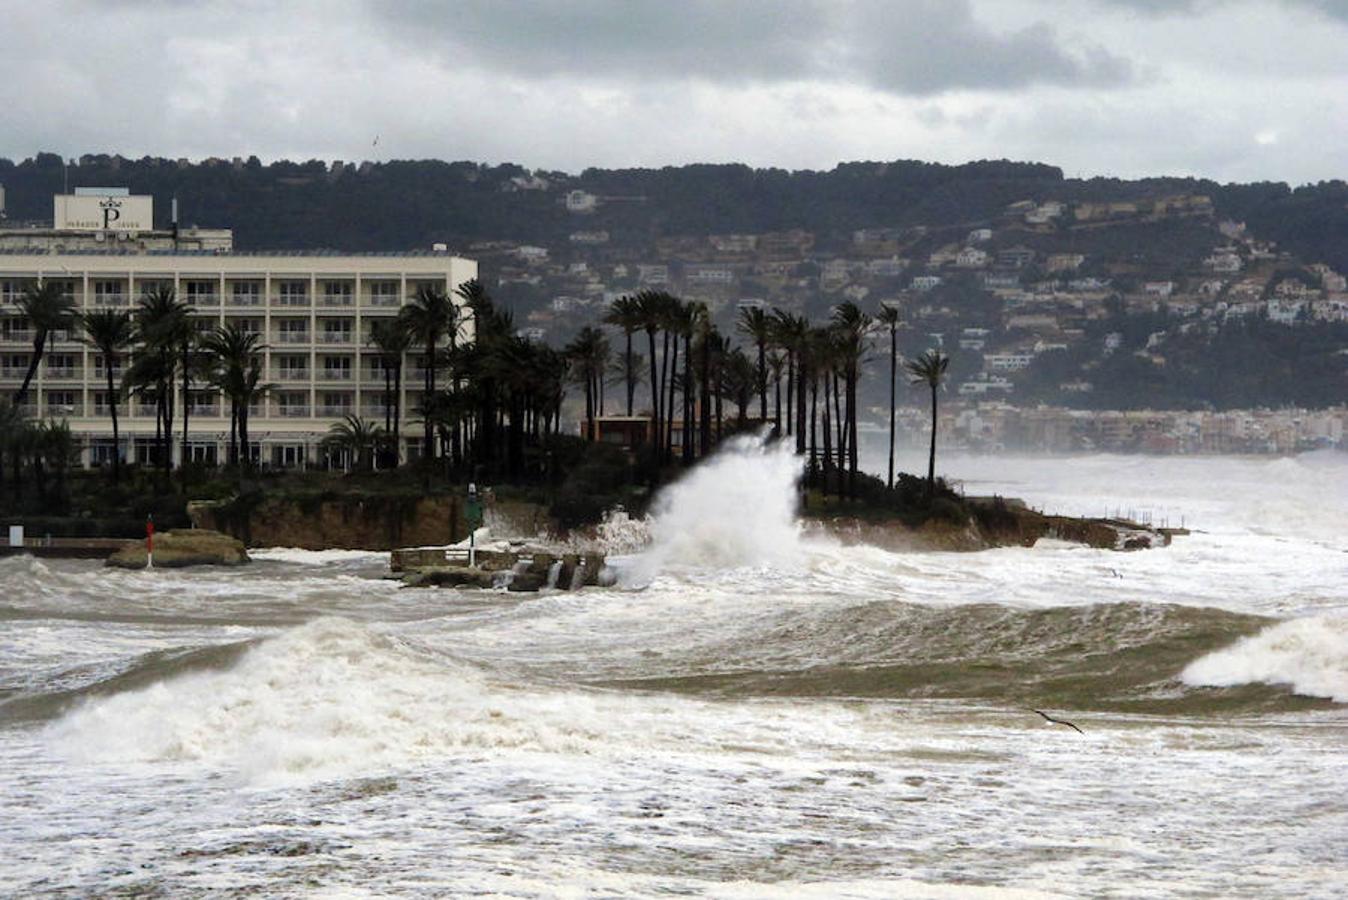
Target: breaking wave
<point>1308,655</point>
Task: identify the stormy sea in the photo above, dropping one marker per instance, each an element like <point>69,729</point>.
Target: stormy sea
<point>748,712</point>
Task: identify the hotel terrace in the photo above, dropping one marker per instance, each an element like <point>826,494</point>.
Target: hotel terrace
<point>314,310</point>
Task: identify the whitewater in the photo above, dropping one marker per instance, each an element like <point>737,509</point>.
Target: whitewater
<point>750,712</point>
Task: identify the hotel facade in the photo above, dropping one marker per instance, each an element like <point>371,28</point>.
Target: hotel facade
<point>315,312</point>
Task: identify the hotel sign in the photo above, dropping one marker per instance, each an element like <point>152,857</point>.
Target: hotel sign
<point>104,213</point>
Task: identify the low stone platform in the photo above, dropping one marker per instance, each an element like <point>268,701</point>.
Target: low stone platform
<point>518,569</point>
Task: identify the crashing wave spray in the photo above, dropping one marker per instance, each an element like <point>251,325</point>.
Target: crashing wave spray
<point>737,509</point>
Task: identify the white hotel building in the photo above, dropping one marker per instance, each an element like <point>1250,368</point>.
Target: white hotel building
<point>315,311</point>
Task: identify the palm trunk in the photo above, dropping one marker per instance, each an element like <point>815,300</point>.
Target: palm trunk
<point>630,373</point>
<point>397,411</point>
<point>814,421</point>
<point>688,398</point>
<point>673,377</point>
<point>790,388</point>
<point>777,405</point>
<point>931,456</point>
<point>704,397</point>
<point>800,408</point>
<point>893,378</point>
<point>762,381</point>
<point>655,393</point>
<point>39,342</point>
<point>852,431</point>
<point>428,439</point>
<point>116,434</point>
<point>187,410</point>
<point>663,409</point>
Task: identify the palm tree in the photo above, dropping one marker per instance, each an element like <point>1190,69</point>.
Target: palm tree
<point>588,353</point>
<point>357,437</point>
<point>853,327</point>
<point>392,340</point>
<point>159,321</point>
<point>110,332</point>
<point>428,317</point>
<point>625,313</point>
<point>792,333</point>
<point>929,369</point>
<point>48,308</point>
<point>888,317</point>
<point>652,306</point>
<point>238,375</point>
<point>758,324</point>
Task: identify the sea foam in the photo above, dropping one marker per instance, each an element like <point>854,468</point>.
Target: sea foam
<point>1309,654</point>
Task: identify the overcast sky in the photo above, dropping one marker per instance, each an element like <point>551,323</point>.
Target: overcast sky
<point>1232,89</point>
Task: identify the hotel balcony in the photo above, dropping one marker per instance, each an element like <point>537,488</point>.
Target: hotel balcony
<point>293,337</point>
<point>336,337</point>
<point>63,373</point>
<point>291,411</point>
<point>17,336</point>
<point>207,410</point>
<point>339,300</point>
<point>293,375</point>
<point>13,372</point>
<point>203,301</point>
<point>334,374</point>
<point>291,300</point>
<point>107,301</point>
<point>65,410</point>
<point>245,300</point>
<point>335,412</point>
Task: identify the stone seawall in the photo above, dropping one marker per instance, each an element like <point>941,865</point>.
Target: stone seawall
<point>359,522</point>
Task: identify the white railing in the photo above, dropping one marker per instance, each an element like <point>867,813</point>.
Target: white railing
<point>335,412</point>
<point>337,337</point>
<point>294,337</point>
<point>336,375</point>
<point>294,375</point>
<point>203,299</point>
<point>245,300</point>
<point>293,412</point>
<point>62,372</point>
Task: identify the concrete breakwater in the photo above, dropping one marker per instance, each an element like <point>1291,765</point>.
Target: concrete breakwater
<point>517,568</point>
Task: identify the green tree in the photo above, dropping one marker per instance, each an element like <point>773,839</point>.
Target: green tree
<point>929,369</point>
<point>429,317</point>
<point>888,317</point>
<point>357,437</point>
<point>110,333</point>
<point>392,339</point>
<point>48,308</point>
<point>757,324</point>
<point>625,313</point>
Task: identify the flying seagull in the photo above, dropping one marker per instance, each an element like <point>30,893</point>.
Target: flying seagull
<point>1058,721</point>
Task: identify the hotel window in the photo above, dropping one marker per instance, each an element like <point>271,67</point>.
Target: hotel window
<point>337,331</point>
<point>294,293</point>
<point>60,403</point>
<point>292,403</point>
<point>200,293</point>
<point>10,291</point>
<point>293,368</point>
<point>337,293</point>
<point>383,293</point>
<point>337,368</point>
<point>109,293</point>
<point>294,331</point>
<point>246,293</point>
<point>61,365</point>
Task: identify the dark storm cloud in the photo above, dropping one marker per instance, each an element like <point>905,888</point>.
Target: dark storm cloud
<point>913,47</point>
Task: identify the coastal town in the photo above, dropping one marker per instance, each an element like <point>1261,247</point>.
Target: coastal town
<point>1010,300</point>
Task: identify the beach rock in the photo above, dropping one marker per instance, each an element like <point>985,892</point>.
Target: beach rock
<point>183,547</point>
